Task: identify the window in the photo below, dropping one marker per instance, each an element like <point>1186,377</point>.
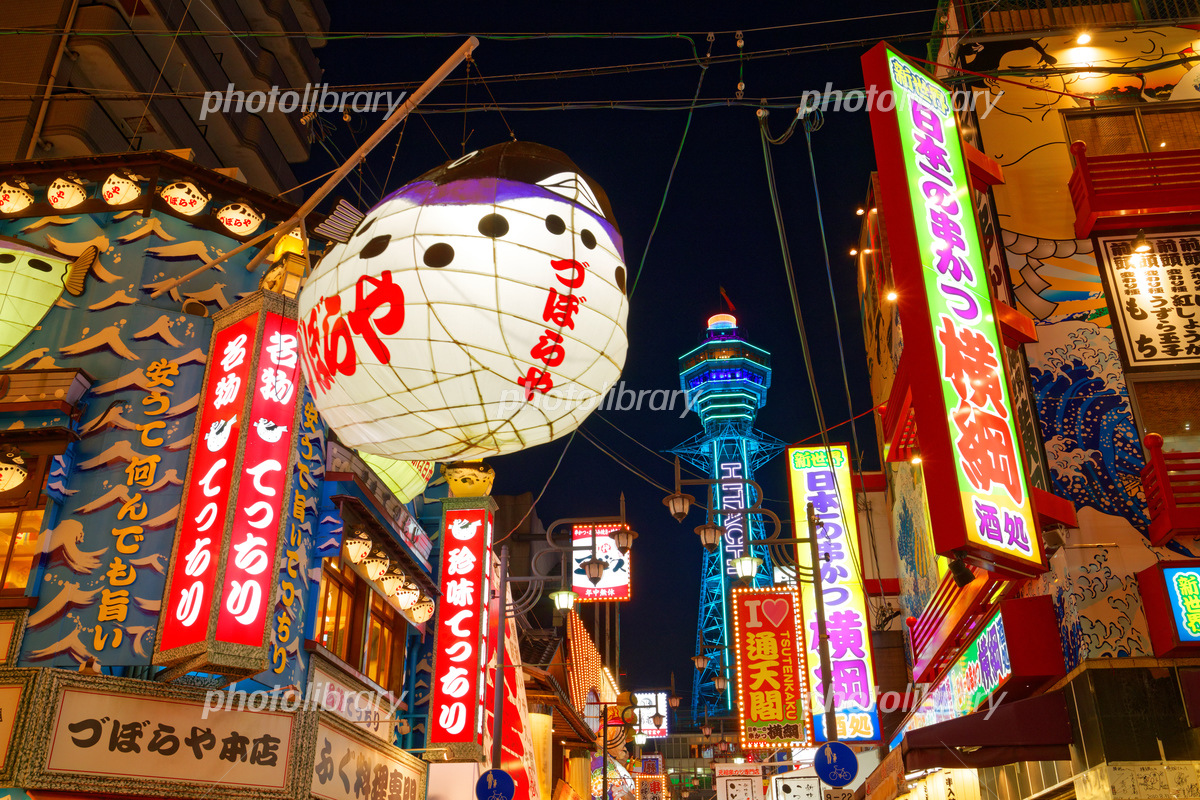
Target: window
<point>334,629</point>
<point>19,544</point>
<point>358,625</point>
<point>1170,408</point>
<point>384,658</point>
<point>1149,128</point>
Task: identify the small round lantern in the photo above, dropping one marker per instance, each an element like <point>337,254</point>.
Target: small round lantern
<point>14,197</point>
<point>184,197</point>
<point>240,218</point>
<point>119,189</point>
<point>422,611</point>
<point>64,193</point>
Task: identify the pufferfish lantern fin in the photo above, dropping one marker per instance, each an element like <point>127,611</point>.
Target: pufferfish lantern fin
<point>340,225</point>
<point>79,269</point>
<point>573,187</point>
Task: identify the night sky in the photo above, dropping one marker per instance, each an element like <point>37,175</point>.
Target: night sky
<point>717,228</point>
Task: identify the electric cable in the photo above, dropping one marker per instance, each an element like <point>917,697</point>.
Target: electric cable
<point>545,486</point>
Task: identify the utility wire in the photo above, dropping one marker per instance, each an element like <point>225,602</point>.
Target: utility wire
<point>545,486</point>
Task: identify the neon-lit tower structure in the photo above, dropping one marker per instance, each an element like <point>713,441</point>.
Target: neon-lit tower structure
<point>725,381</point>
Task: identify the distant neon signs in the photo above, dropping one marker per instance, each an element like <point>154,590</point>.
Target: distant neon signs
<point>733,495</point>
<point>769,651</point>
<point>830,490</point>
<point>952,349</point>
<point>983,668</point>
<point>649,704</point>
<point>614,581</point>
<point>1183,591</point>
<point>456,697</point>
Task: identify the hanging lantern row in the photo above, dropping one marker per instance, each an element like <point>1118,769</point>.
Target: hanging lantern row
<point>122,188</point>
<point>392,580</point>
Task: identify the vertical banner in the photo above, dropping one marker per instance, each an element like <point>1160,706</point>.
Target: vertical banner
<point>965,424</point>
<point>222,576</point>
<point>456,704</point>
<point>769,651</point>
<point>829,488</point>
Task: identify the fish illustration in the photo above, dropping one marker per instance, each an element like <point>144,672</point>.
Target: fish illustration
<point>31,280</point>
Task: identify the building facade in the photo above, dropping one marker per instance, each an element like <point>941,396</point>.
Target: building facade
<point>1081,137</point>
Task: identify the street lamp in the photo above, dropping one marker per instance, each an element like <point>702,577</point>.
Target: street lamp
<point>746,567</point>
<point>700,660</point>
<point>623,539</point>
<point>710,535</point>
<point>594,568</point>
<point>678,504</point>
<point>564,599</point>
<point>622,715</point>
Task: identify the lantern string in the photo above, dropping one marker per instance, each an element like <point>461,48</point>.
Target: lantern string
<point>512,135</point>
<point>392,163</point>
<point>671,175</point>
<point>545,486</point>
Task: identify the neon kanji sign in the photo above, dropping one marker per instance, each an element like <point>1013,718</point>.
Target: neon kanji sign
<point>952,346</point>
<point>771,674</point>
<point>822,477</point>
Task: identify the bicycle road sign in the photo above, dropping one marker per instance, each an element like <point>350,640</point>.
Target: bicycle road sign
<point>835,764</point>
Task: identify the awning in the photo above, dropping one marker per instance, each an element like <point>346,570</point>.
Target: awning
<point>1037,729</point>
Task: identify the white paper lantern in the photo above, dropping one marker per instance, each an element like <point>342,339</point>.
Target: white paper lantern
<point>422,611</point>
<point>240,218</point>
<point>185,197</point>
<point>64,193</point>
<point>478,310</point>
<point>119,189</point>
<point>14,197</point>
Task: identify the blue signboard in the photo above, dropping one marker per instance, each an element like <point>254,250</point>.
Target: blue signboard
<point>835,764</point>
<point>1183,590</point>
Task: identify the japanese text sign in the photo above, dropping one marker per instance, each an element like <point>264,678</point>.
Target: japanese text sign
<point>347,769</point>
<point>769,651</point>
<point>1183,591</point>
<point>222,576</point>
<point>120,736</point>
<point>975,676</point>
<point>1155,298</point>
<point>952,345</point>
<point>460,655</point>
<point>649,704</point>
<point>822,477</point>
<point>614,581</point>
<point>192,584</point>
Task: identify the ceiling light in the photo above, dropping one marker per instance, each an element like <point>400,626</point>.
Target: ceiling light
<point>860,211</point>
<point>1140,243</point>
<point>1083,38</point>
<point>891,296</point>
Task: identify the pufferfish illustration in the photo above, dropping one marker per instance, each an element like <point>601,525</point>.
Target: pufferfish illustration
<point>218,433</point>
<point>268,431</point>
<point>478,310</point>
<point>32,279</point>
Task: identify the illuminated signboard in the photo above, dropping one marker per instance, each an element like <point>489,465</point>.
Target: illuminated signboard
<point>194,563</point>
<point>222,576</point>
<point>983,668</point>
<point>456,698</point>
<point>614,582</point>
<point>769,651</point>
<point>952,351</point>
<point>262,482</point>
<point>649,704</point>
<point>733,495</point>
<point>829,489</point>
<point>1183,591</point>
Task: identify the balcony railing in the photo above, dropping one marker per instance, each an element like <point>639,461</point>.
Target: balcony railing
<point>1015,16</point>
<point>1172,485</point>
<point>1136,190</point>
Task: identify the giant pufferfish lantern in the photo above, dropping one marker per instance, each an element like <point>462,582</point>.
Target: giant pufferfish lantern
<point>476,311</point>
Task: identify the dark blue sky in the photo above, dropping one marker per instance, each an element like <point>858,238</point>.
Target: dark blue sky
<point>717,228</point>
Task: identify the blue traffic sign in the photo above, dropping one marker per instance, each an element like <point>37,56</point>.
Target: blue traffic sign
<point>495,784</point>
<point>835,763</point>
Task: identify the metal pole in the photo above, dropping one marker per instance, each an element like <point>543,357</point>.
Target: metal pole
<point>498,698</point>
<point>822,636</point>
<point>604,758</point>
<point>284,228</point>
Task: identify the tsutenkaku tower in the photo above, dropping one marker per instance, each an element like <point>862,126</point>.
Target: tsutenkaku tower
<point>725,381</point>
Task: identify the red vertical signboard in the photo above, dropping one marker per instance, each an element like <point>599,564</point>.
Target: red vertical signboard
<point>456,703</point>
<point>192,579</point>
<point>221,579</point>
<point>773,708</point>
<point>266,464</point>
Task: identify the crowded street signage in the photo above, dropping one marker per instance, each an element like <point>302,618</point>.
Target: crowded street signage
<point>456,702</point>
<point>222,575</point>
<point>117,737</point>
<point>614,583</point>
<point>976,675</point>
<point>771,675</point>
<point>968,441</point>
<point>821,476</point>
<point>1154,297</point>
<point>649,704</point>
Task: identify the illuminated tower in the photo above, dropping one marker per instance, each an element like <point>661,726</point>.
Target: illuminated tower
<point>725,380</point>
